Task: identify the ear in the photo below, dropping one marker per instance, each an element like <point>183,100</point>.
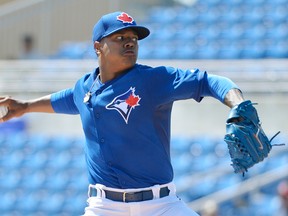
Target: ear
<point>97,47</point>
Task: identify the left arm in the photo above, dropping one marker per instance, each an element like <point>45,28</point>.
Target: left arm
<point>233,97</point>
<point>223,89</point>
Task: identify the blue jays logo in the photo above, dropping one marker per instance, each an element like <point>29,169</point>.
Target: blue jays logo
<point>124,103</point>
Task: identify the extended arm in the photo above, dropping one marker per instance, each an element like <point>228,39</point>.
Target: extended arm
<point>233,97</point>
<point>17,108</point>
<point>224,90</point>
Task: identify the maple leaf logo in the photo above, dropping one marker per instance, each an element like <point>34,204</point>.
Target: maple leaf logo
<point>133,101</point>
<point>125,18</point>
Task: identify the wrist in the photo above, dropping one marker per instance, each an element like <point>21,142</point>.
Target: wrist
<point>233,98</point>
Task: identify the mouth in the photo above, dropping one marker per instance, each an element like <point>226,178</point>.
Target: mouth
<point>129,52</point>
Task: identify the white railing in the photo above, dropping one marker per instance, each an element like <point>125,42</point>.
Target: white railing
<point>242,188</point>
<point>44,76</point>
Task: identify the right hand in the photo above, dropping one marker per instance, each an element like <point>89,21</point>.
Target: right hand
<point>16,108</point>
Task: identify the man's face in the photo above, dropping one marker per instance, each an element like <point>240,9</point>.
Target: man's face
<point>119,49</point>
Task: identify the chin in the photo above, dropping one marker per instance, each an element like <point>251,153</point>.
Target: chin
<point>130,62</point>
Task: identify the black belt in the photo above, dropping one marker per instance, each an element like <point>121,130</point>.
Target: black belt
<point>131,196</point>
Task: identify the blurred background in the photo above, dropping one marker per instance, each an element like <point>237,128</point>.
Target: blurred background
<point>46,46</point>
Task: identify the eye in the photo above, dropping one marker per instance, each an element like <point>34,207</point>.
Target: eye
<point>120,38</point>
<point>135,39</point>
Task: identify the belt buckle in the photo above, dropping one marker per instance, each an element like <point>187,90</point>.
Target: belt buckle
<point>124,195</point>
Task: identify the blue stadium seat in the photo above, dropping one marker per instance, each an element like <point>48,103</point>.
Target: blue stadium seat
<point>8,202</point>
<point>28,203</point>
<point>36,160</point>
<point>278,51</point>
<point>38,142</point>
<point>14,126</point>
<point>230,52</point>
<point>17,140</point>
<point>186,16</point>
<point>185,52</point>
<point>57,182</point>
<point>203,162</point>
<point>216,20</point>
<point>208,19</point>
<point>71,50</point>
<point>227,180</point>
<point>187,33</point>
<point>206,53</point>
<point>53,205</point>
<point>78,183</point>
<point>163,51</point>
<point>11,180</point>
<point>201,189</point>
<point>253,52</point>
<point>13,161</point>
<point>33,181</point>
<point>182,164</point>
<point>60,160</point>
<point>60,143</point>
<point>162,14</point>
<point>74,205</point>
<point>260,205</point>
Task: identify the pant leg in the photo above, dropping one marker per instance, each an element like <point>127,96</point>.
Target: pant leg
<point>98,206</point>
<point>167,206</point>
<point>179,208</point>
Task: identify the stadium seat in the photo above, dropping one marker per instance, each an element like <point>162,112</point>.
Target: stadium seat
<point>74,205</point>
<point>57,182</point>
<point>60,143</point>
<point>230,52</point>
<point>13,126</point>
<point>10,180</point>
<point>32,181</point>
<point>163,51</point>
<point>8,202</point>
<point>13,160</point>
<point>182,164</point>
<point>204,22</point>
<point>62,178</point>
<point>162,14</point>
<point>185,52</point>
<point>53,205</point>
<point>29,203</point>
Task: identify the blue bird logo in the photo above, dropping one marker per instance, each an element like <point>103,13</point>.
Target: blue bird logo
<point>124,103</point>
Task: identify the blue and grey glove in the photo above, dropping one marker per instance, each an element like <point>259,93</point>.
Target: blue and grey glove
<point>246,140</point>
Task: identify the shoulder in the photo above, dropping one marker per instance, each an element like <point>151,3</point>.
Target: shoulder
<point>169,72</point>
<point>164,68</point>
<point>146,68</point>
<point>86,78</point>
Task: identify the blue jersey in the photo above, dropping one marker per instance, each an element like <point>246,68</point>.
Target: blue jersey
<point>126,121</point>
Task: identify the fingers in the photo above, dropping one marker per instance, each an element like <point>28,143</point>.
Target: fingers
<point>4,103</point>
<point>15,108</point>
<point>7,117</point>
<point>235,120</point>
<point>4,100</point>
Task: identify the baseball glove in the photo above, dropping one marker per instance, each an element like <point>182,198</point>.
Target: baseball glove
<point>246,140</point>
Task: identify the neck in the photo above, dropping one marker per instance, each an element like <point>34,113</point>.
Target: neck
<point>106,76</point>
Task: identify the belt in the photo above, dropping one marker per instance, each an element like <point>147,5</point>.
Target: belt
<point>130,196</point>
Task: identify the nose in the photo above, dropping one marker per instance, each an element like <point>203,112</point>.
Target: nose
<point>130,43</point>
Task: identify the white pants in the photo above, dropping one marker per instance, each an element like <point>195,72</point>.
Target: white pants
<point>167,206</point>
